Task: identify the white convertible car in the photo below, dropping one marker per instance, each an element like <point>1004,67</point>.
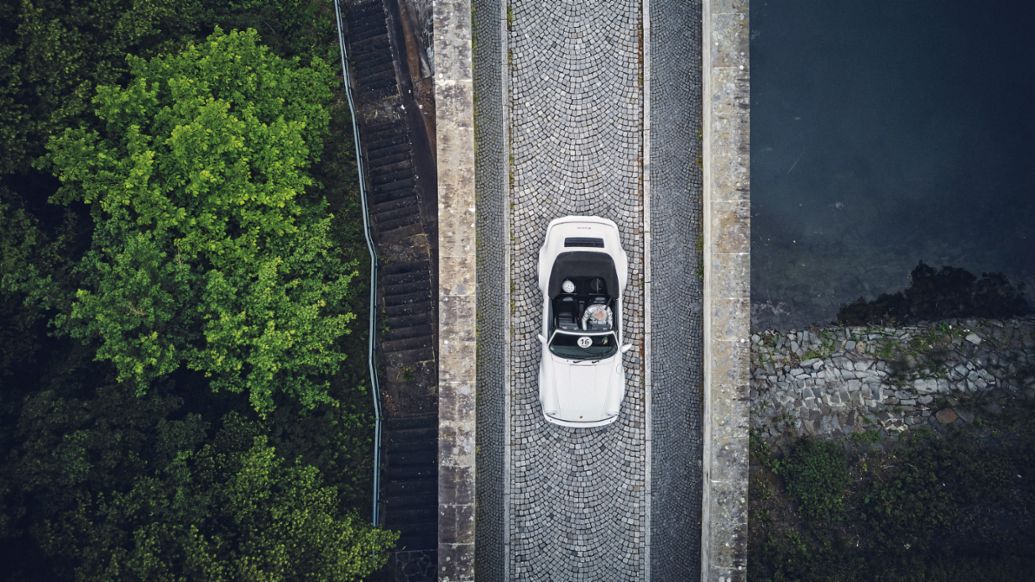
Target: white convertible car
<point>582,274</point>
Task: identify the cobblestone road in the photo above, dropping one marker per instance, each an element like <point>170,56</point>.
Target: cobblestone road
<point>576,497</point>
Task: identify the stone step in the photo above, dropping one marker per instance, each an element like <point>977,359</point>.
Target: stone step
<point>362,29</point>
<point>373,64</point>
<point>418,536</point>
<point>398,502</point>
<point>406,344</point>
<point>422,438</point>
<point>404,298</point>
<point>363,19</point>
<point>404,516</point>
<point>397,191</point>
<point>375,76</point>
<point>420,330</point>
<point>375,52</point>
<point>411,309</point>
<point>425,421</point>
<point>408,325</point>
<point>378,87</point>
<point>406,286</point>
<point>399,267</point>
<point>387,126</point>
<point>371,52</point>
<point>399,169</point>
<point>386,157</point>
<point>410,204</point>
<point>385,225</point>
<point>411,487</point>
<point>413,459</point>
<point>406,472</point>
<point>387,147</point>
<point>399,234</point>
<point>414,355</point>
<point>395,173</point>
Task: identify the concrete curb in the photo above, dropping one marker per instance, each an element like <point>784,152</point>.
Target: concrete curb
<point>508,313</point>
<point>645,194</point>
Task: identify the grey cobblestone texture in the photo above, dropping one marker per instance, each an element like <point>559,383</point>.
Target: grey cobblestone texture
<point>676,296</point>
<point>576,496</point>
<point>490,186</point>
<point>842,380</point>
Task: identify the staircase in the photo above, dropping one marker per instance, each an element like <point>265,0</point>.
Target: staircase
<point>394,205</point>
<point>411,480</point>
<point>402,226</point>
<point>370,51</point>
<point>408,310</point>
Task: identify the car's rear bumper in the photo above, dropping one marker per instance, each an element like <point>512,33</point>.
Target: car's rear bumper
<point>580,424</point>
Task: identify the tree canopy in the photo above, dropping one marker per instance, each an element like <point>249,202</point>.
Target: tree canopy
<point>56,52</point>
<point>132,493</point>
<point>203,254</point>
<point>192,275</point>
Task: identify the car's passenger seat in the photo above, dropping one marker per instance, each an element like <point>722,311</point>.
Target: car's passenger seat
<point>567,314</point>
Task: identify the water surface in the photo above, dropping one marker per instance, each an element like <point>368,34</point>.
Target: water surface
<point>884,133</point>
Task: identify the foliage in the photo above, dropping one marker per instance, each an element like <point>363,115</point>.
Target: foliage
<point>205,254</point>
<point>816,473</point>
<point>945,293</point>
<point>119,486</point>
<point>924,507</point>
<point>52,61</point>
<point>55,53</point>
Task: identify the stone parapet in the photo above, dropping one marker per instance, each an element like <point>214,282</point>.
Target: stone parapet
<point>727,279</point>
<point>454,99</point>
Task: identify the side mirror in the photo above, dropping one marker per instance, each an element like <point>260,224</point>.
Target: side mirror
<point>626,348</point>
<point>542,339</point>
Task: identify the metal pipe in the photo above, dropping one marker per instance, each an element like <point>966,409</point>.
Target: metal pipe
<point>375,387</point>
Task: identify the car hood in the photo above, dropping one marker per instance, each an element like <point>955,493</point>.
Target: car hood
<point>583,392</point>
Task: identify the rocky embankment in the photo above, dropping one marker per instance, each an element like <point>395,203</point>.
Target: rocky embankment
<point>841,380</point>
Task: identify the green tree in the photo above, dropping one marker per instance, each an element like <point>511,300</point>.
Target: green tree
<point>32,270</point>
<point>206,253</point>
<point>116,486</point>
<point>55,52</point>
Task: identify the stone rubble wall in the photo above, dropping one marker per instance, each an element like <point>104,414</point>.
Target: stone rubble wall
<point>841,380</point>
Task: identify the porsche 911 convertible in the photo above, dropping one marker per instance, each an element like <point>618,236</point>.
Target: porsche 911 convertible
<point>583,271</point>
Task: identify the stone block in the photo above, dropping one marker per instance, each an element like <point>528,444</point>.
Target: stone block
<point>730,275</point>
<point>731,227</point>
<point>730,40</point>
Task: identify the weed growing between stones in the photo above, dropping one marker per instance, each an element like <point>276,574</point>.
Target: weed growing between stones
<point>828,345</point>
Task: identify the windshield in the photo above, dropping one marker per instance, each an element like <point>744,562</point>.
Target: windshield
<point>570,345</point>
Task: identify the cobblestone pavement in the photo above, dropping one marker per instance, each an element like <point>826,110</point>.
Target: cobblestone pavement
<point>577,497</point>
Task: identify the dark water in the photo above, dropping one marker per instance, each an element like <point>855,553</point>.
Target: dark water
<point>884,133</point>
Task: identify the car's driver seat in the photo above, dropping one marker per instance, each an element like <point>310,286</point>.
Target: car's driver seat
<point>567,310</point>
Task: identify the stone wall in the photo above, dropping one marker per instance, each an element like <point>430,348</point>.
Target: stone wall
<point>841,380</point>
<point>457,286</point>
<point>676,287</point>
<point>727,287</point>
